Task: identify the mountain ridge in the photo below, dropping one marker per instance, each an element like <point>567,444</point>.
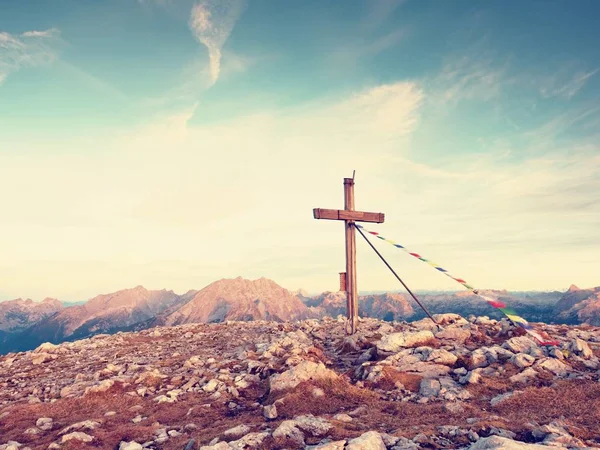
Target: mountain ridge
<point>138,308</point>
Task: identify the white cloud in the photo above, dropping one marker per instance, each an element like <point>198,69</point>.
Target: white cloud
<point>211,22</point>
<point>466,78</point>
<point>177,206</point>
<point>557,86</point>
<point>30,49</point>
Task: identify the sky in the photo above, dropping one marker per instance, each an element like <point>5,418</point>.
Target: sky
<point>172,143</point>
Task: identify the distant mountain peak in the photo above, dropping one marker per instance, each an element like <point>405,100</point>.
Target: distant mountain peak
<point>573,288</point>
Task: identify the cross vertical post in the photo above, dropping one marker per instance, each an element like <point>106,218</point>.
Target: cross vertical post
<point>349,216</point>
<point>351,285</point>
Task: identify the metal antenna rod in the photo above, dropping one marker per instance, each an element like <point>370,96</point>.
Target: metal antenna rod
<point>396,275</point>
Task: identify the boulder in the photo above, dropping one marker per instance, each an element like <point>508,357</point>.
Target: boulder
<point>397,341</point>
<point>44,423</point>
<point>305,371</point>
<point>130,446</point>
<point>336,445</point>
<point>237,432</point>
<point>524,376</point>
<point>370,440</point>
<point>251,440</point>
<point>430,387</point>
<point>501,443</point>
<point>288,430</point>
<point>441,356</point>
<point>521,344</point>
<point>454,335</point>
<point>581,348</point>
<point>77,436</point>
<point>522,360</point>
<point>553,365</point>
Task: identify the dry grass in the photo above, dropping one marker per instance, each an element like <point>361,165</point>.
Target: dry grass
<point>391,376</point>
<point>340,396</point>
<point>577,401</point>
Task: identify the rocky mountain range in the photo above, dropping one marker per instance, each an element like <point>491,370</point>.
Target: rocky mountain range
<point>471,384</point>
<point>25,324</point>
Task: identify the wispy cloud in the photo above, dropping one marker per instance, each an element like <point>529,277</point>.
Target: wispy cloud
<point>211,22</point>
<point>557,86</point>
<point>379,12</point>
<point>29,49</point>
<point>467,78</point>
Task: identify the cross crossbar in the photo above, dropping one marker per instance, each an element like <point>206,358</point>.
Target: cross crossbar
<point>343,214</point>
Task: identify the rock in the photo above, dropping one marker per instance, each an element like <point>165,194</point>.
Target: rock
<point>37,359</point>
<point>250,441</point>
<point>342,417</point>
<point>524,376</point>
<point>336,445</point>
<point>472,377</point>
<point>522,360</point>
<point>450,319</point>
<point>305,371</point>
<point>555,433</point>
<point>83,425</point>
<point>478,359</point>
<point>10,446</point>
<point>581,348</point>
<point>316,426</point>
<point>454,335</point>
<point>237,432</point>
<point>211,386</point>
<point>270,412</point>
<point>77,436</point>
<point>441,356</point>
<point>370,440</point>
<point>397,341</point>
<point>521,344</point>
<point>102,387</point>
<point>44,423</point>
<point>217,446</point>
<point>287,430</point>
<point>130,446</point>
<point>46,347</point>
<point>501,443</point>
<point>429,387</point>
<point>553,365</point>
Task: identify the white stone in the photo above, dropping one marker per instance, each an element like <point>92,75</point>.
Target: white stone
<point>397,341</point>
<point>335,445</point>
<point>77,436</point>
<point>430,387</point>
<point>211,386</point>
<point>288,430</point>
<point>581,348</point>
<point>44,423</point>
<point>522,360</point>
<point>237,432</point>
<point>370,440</point>
<point>130,446</point>
<point>501,443</point>
<point>521,344</point>
<point>270,412</point>
<point>553,365</point>
<point>305,371</point>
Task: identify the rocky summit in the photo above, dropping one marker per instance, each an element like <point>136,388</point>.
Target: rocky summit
<point>469,383</point>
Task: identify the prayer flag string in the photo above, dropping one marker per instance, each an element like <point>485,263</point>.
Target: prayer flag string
<point>496,303</point>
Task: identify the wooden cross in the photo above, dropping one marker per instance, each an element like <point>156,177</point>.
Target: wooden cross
<point>349,216</point>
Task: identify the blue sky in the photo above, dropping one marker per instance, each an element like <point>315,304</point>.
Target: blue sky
<point>171,143</point>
